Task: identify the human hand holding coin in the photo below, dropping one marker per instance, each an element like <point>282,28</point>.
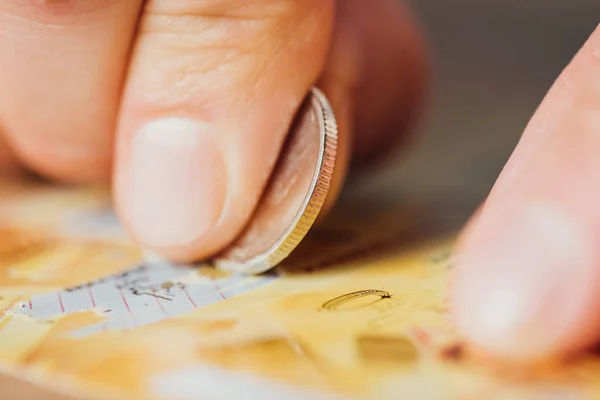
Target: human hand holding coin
<point>184,106</point>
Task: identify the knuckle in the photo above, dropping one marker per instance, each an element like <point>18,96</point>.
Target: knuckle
<point>589,55</point>
<point>594,45</point>
<point>232,9</point>
<point>223,25</point>
<point>199,46</point>
<point>578,82</point>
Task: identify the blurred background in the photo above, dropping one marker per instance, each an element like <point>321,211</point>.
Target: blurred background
<point>493,62</point>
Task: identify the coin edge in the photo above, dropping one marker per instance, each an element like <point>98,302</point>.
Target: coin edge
<point>312,204</point>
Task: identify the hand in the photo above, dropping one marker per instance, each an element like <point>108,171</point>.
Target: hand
<point>186,102</point>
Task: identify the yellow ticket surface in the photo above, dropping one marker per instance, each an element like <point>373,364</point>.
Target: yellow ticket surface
<point>357,312</point>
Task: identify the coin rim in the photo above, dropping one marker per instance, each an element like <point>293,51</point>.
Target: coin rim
<point>312,204</point>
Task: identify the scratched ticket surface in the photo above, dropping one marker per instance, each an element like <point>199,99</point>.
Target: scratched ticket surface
<point>357,312</point>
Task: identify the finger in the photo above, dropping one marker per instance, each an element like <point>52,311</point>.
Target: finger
<point>338,82</point>
<point>527,284</point>
<point>375,79</point>
<point>212,90</point>
<point>6,155</point>
<point>393,77</point>
<point>61,69</point>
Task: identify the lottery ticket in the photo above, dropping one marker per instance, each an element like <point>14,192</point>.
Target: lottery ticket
<point>359,311</point>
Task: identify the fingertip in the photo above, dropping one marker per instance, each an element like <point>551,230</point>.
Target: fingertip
<point>526,283</point>
<point>174,186</point>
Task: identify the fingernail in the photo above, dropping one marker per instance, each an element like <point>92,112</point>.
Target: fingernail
<point>177,182</point>
<point>518,285</point>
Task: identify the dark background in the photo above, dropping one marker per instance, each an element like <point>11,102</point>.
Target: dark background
<point>493,62</point>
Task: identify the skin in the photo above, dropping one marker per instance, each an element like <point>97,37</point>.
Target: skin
<point>183,107</point>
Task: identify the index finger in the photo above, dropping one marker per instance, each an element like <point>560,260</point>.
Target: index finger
<point>527,285</point>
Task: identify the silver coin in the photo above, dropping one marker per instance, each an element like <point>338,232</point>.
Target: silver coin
<point>294,195</point>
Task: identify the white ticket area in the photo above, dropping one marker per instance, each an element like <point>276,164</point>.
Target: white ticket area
<point>142,295</point>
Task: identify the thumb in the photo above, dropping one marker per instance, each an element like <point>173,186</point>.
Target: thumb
<point>211,92</point>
